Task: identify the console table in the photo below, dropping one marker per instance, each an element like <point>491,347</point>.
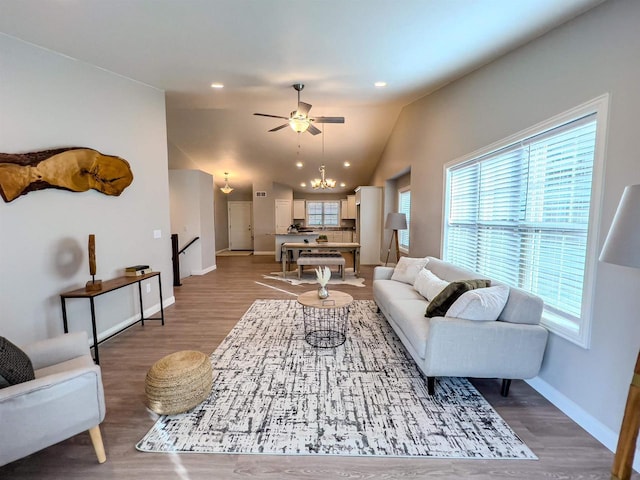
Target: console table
<point>110,286</point>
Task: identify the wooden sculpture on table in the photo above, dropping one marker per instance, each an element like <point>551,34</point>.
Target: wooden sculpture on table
<point>93,285</point>
<point>76,169</point>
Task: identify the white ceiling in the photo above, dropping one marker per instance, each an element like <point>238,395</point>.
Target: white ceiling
<point>259,48</point>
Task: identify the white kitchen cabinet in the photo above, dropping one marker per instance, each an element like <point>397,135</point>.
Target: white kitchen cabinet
<point>369,223</point>
<point>348,208</point>
<point>299,210</point>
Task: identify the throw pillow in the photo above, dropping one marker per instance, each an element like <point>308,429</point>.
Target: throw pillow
<point>428,284</point>
<point>440,304</point>
<point>15,365</point>
<point>482,304</point>
<point>407,269</point>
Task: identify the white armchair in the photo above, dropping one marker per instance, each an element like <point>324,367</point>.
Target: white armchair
<point>65,399</point>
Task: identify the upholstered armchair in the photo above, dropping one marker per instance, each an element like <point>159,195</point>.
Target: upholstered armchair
<point>65,399</point>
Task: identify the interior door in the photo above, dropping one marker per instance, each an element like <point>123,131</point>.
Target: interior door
<point>240,231</point>
<point>283,215</point>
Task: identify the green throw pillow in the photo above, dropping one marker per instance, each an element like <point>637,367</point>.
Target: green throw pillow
<point>441,302</point>
<point>15,365</point>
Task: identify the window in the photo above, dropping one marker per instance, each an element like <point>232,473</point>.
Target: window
<point>521,214</point>
<point>404,206</point>
<point>323,214</point>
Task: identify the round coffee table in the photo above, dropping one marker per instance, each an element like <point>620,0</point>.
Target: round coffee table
<point>325,320</point>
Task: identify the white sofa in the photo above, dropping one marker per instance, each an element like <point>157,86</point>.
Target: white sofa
<point>510,348</point>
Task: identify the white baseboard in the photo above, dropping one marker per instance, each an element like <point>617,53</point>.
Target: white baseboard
<point>153,309</point>
<point>223,250</point>
<point>594,427</point>
<point>257,252</point>
<point>205,271</point>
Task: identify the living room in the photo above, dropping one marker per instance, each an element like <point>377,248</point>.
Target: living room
<point>48,100</point>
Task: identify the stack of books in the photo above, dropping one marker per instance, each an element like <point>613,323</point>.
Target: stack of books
<point>137,270</point>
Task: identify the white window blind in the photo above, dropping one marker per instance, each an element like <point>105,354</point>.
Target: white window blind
<point>404,206</point>
<point>521,214</point>
<point>323,213</point>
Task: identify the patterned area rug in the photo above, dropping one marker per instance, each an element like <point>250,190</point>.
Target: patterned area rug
<point>275,394</point>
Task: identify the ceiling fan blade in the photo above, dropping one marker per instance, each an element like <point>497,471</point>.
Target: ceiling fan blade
<point>327,119</point>
<point>272,116</point>
<point>303,108</point>
<point>313,130</point>
<point>279,127</point>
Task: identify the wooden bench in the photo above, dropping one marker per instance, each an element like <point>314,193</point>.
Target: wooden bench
<point>324,259</point>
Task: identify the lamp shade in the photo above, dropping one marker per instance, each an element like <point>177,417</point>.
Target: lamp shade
<point>396,221</point>
<point>622,245</point>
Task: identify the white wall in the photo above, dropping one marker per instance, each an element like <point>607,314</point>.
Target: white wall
<point>49,101</point>
<point>591,55</point>
<point>192,210</point>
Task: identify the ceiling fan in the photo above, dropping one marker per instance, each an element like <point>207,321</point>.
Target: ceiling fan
<point>299,120</point>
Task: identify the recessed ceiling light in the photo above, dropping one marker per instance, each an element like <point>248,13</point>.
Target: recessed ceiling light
<point>303,184</point>
<point>347,164</point>
<point>343,184</point>
<point>299,164</point>
<point>217,85</point>
<point>380,84</point>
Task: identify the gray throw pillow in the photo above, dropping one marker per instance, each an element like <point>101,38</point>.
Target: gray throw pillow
<point>441,302</point>
<point>15,365</point>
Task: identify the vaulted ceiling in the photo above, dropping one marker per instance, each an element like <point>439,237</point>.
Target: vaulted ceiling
<point>258,48</point>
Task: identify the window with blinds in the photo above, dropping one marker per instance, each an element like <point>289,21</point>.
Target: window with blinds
<point>323,213</point>
<point>404,206</point>
<point>521,215</point>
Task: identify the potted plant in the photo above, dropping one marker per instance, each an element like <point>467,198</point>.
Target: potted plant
<point>322,238</point>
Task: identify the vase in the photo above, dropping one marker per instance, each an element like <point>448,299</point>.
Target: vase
<point>323,293</point>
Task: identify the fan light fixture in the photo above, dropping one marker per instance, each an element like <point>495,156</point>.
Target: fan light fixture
<point>226,189</point>
<point>299,123</point>
<point>322,182</point>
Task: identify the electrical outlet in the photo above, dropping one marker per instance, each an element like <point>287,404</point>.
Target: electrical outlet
<point>157,234</point>
<point>148,285</point>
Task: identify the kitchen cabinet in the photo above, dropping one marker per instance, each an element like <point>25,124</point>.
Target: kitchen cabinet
<point>348,208</point>
<point>369,223</point>
<point>299,210</point>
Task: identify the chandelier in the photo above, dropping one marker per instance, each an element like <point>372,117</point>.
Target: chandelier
<point>322,182</point>
<point>226,189</point>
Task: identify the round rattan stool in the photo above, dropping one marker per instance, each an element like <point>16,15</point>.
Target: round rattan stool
<point>178,382</point>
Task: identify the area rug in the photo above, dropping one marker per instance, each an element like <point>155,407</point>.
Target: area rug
<point>234,253</point>
<point>275,394</point>
<point>309,277</point>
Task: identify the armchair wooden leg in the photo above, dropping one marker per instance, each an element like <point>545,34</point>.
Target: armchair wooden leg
<point>98,446</point>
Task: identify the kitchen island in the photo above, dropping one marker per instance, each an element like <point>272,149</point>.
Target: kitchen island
<point>298,237</point>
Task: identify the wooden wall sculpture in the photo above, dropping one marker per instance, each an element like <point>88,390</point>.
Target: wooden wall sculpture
<point>76,168</point>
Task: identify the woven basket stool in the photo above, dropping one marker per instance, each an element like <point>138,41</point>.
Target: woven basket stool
<point>178,382</point>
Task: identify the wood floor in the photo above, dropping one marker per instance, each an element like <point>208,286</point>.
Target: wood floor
<point>206,308</point>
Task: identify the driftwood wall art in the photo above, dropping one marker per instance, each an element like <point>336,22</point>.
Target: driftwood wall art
<point>76,168</point>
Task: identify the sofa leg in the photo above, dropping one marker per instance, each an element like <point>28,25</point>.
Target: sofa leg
<point>506,383</point>
<point>431,385</point>
<point>98,446</point>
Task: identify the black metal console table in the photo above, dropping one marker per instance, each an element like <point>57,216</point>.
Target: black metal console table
<point>110,286</point>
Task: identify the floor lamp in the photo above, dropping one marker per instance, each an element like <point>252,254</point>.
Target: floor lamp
<point>395,221</point>
<point>622,247</point>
